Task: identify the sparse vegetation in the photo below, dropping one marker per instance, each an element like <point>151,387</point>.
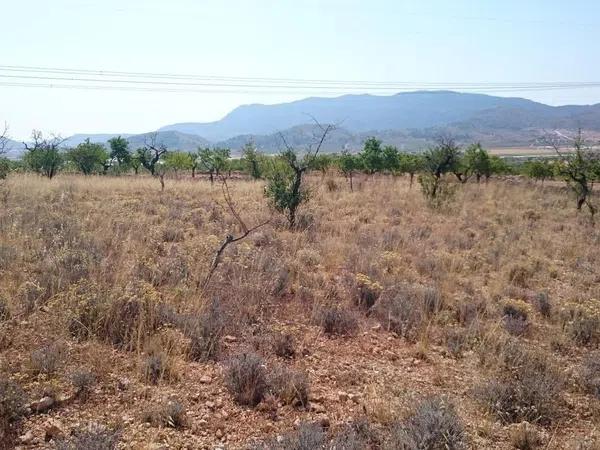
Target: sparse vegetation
<point>434,424</point>
<point>246,378</point>
<point>93,437</point>
<point>335,309</point>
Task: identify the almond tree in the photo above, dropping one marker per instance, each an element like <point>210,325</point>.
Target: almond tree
<point>285,187</point>
<point>580,168</point>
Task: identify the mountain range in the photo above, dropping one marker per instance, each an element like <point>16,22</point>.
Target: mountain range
<point>409,120</point>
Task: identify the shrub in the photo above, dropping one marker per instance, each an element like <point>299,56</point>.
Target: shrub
<point>525,437</point>
<point>83,381</point>
<point>457,341</point>
<point>290,386</point>
<point>284,345</point>
<point>131,318</point>
<point>515,317</point>
<point>88,305</point>
<point>519,275</point>
<point>169,413</point>
<point>205,332</point>
<point>94,437</point>
<point>309,436</point>
<point>543,304</point>
<point>12,408</point>
<point>357,435</point>
<point>4,311</point>
<point>529,390</point>
<point>367,291</point>
<point>433,425</point>
<point>582,323</point>
<point>404,308</point>
<point>46,360</point>
<point>337,321</point>
<point>153,366</point>
<point>245,378</point>
<point>590,373</point>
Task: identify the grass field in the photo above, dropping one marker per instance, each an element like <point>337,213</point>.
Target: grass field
<point>376,320</point>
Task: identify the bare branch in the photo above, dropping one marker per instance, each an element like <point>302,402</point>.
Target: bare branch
<point>4,139</point>
<point>230,238</point>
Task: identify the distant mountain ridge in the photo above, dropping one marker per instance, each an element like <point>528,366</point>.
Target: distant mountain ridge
<point>409,120</point>
<point>404,111</point>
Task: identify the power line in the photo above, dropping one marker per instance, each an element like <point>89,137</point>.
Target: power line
<point>113,81</point>
<point>242,91</point>
<point>268,82</point>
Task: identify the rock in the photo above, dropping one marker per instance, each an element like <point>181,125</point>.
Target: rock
<point>376,327</point>
<point>26,438</point>
<point>219,433</point>
<point>205,379</point>
<point>230,338</point>
<point>42,405</point>
<point>342,396</point>
<point>210,405</point>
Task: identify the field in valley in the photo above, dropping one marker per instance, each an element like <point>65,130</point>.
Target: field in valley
<point>375,320</point>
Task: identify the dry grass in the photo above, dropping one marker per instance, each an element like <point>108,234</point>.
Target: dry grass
<point>421,302</point>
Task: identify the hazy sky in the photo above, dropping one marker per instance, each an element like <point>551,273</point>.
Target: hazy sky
<point>379,40</point>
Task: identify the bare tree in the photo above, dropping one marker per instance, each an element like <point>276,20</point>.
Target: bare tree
<point>230,238</point>
<point>580,168</point>
<point>150,154</point>
<point>4,139</point>
<point>43,155</point>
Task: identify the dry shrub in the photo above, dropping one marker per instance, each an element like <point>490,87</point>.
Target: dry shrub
<point>12,409</point>
<point>590,373</point>
<point>404,308</point>
<point>367,291</point>
<point>527,386</point>
<point>309,436</point>
<point>30,295</point>
<point>169,413</point>
<point>246,379</point>
<point>525,437</point>
<point>290,386</point>
<point>582,323</point>
<point>132,318</point>
<point>457,341</point>
<point>337,322</point>
<point>156,365</point>
<point>519,275</point>
<point>4,310</point>
<point>357,435</point>
<point>284,345</point>
<point>434,424</point>
<point>543,304</point>
<point>87,305</point>
<point>515,317</point>
<point>467,311</point>
<point>47,359</point>
<point>204,331</point>
<point>172,234</point>
<point>93,437</point>
<point>83,381</point>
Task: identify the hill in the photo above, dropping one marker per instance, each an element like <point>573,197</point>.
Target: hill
<point>405,111</point>
<point>172,139</point>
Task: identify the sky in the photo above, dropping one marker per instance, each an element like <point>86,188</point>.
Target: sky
<point>460,41</point>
